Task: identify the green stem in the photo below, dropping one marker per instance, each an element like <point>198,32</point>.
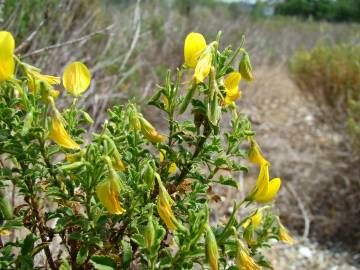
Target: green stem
<point>226,232</point>
<point>188,166</point>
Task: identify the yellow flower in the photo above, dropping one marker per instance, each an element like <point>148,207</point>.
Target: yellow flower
<point>35,77</point>
<point>195,44</point>
<point>164,204</point>
<point>7,63</point>
<point>285,236</point>
<point>150,132</point>
<point>243,260</point>
<point>231,84</point>
<point>266,189</point>
<point>4,232</point>
<point>59,135</point>
<point>211,249</point>
<point>173,167</point>
<point>203,66</point>
<point>108,193</point>
<point>76,78</point>
<point>255,220</point>
<point>255,154</point>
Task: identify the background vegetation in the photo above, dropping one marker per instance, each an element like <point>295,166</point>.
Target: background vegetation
<point>329,10</point>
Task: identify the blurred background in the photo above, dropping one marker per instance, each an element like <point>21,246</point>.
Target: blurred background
<point>304,101</point>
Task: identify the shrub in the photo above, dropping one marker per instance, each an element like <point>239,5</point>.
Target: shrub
<point>339,11</point>
<point>330,76</point>
<point>129,196</point>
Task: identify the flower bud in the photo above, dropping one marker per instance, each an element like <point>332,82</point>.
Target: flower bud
<point>245,68</point>
<point>164,204</point>
<point>72,166</point>
<point>255,220</point>
<point>27,122</point>
<point>148,175</point>
<point>5,207</point>
<point>149,233</point>
<point>211,249</point>
<point>150,132</point>
<point>87,118</point>
<point>134,121</point>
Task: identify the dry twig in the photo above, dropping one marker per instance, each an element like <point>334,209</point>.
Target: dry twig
<point>69,42</point>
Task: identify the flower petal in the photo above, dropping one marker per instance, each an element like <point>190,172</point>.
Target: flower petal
<point>59,135</point>
<point>76,78</point>
<point>274,186</point>
<point>194,45</point>
<point>203,67</point>
<point>232,80</point>
<point>7,63</point>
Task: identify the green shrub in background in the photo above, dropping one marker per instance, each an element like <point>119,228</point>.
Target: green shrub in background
<point>338,11</point>
<point>330,75</point>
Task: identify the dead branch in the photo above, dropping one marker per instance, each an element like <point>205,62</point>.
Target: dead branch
<point>67,43</point>
<point>301,206</point>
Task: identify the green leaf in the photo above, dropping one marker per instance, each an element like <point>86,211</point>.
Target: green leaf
<point>228,181</point>
<point>139,239</point>
<point>102,262</point>
<point>126,253</point>
<point>28,244</point>
<point>65,266</point>
<point>184,104</point>
<point>82,254</point>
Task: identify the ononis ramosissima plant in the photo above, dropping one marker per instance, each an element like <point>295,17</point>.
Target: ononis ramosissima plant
<point>131,196</point>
